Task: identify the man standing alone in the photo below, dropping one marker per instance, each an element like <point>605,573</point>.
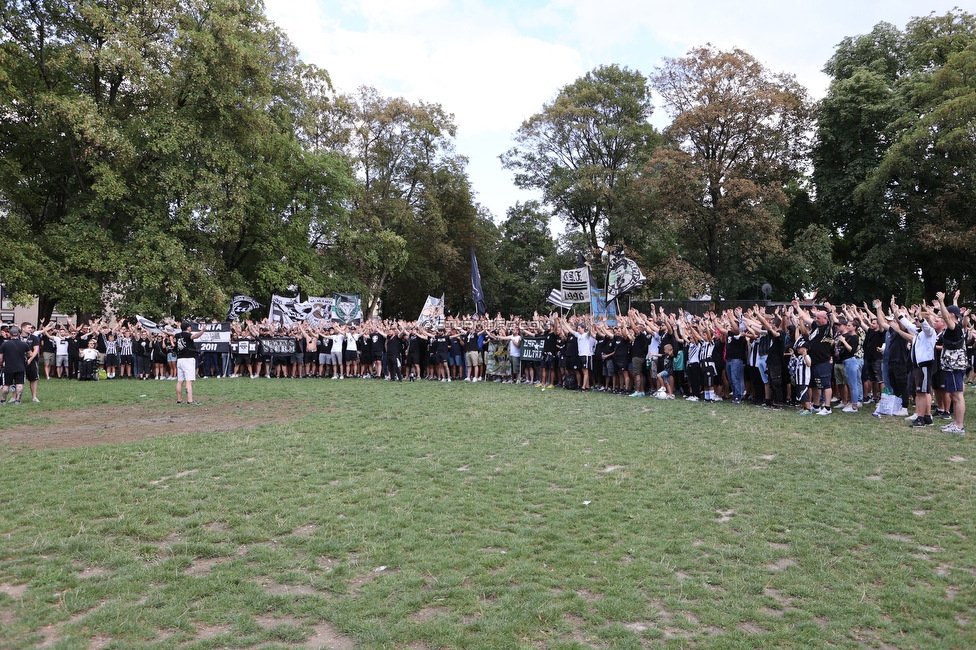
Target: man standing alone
<point>186,362</point>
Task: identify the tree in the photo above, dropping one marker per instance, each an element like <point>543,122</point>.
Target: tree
<point>581,148</point>
<point>412,218</point>
<point>528,259</point>
<point>737,140</point>
<point>151,158</point>
<point>894,156</point>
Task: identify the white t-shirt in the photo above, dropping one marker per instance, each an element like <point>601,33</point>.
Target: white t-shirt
<point>586,343</point>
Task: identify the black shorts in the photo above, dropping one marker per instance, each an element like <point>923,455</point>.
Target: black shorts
<point>311,357</point>
<point>438,358</point>
<point>125,359</point>
<point>13,378</point>
<point>548,361</point>
<point>350,355</point>
<point>413,359</point>
<point>32,373</point>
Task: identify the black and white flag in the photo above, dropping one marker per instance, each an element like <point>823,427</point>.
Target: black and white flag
<point>623,275</point>
<point>347,309</point>
<point>283,310</point>
<point>556,298</point>
<point>240,305</point>
<point>575,285</point>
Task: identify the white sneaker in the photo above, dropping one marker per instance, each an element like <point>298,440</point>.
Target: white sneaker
<point>912,418</point>
<point>901,413</point>
<point>849,409</point>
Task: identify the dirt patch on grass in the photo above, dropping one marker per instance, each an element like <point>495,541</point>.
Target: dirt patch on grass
<point>428,613</point>
<point>324,636</point>
<point>14,591</point>
<point>105,425</point>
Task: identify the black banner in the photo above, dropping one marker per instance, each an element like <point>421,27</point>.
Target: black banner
<point>531,348</point>
<point>280,346</point>
<point>216,338</point>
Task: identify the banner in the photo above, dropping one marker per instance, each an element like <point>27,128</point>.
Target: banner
<point>497,363</point>
<point>623,275</point>
<point>599,307</point>
<point>347,309</point>
<point>575,285</point>
<point>278,346</point>
<point>216,337</point>
<point>244,346</point>
<point>480,306</point>
<point>556,298</point>
<point>531,348</point>
<point>432,315</point>
<point>240,305</point>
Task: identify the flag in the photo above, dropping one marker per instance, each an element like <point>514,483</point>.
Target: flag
<point>432,315</point>
<point>283,310</point>
<point>316,311</point>
<point>600,307</point>
<point>477,295</point>
<point>347,309</point>
<point>575,285</point>
<point>556,298</point>
<point>623,275</point>
<point>240,305</point>
<point>148,325</point>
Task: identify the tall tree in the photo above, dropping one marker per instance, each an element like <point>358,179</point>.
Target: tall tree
<point>582,147</point>
<point>737,139</point>
<point>413,215</point>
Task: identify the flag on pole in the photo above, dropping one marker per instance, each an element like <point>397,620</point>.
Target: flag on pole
<point>283,310</point>
<point>480,306</point>
<point>240,305</point>
<point>148,325</point>
<point>575,285</point>
<point>623,275</point>
<point>432,315</point>
<point>556,298</point>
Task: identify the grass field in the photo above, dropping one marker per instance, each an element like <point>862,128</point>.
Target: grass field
<point>365,514</point>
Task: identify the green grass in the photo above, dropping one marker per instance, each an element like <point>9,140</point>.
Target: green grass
<point>505,517</point>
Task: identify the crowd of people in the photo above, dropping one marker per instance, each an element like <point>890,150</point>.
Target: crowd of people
<point>815,359</point>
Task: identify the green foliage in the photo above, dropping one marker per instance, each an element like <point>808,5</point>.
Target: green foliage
<point>151,156</point>
<point>894,157</point>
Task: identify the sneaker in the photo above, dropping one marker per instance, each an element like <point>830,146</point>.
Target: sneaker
<point>825,411</point>
<point>869,400</point>
<point>804,412</point>
<point>849,409</point>
<point>691,398</point>
<point>952,428</point>
<point>834,400</point>
<point>661,395</point>
<point>36,401</point>
<point>912,418</point>
<point>918,423</point>
<point>193,403</point>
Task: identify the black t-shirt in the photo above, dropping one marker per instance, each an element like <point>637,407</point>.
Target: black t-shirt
<point>873,340</point>
<point>621,348</point>
<point>820,344</point>
<point>378,341</point>
<point>14,353</point>
<point>639,346</point>
<point>736,348</point>
<point>439,344</point>
<point>185,346</point>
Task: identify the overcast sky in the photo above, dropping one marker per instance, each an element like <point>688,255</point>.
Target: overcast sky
<point>494,63</point>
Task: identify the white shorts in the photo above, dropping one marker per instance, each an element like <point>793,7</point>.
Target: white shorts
<point>186,369</point>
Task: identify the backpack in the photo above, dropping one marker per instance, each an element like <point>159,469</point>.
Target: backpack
<point>569,383</point>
